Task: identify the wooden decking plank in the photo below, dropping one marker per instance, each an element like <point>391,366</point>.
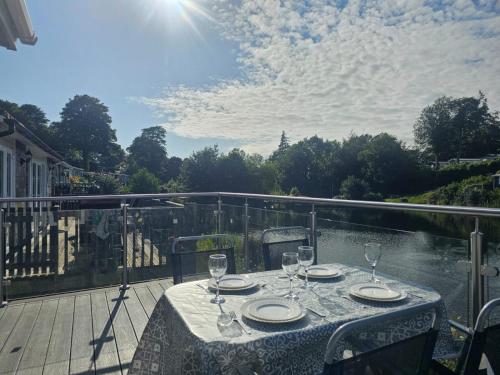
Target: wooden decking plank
<point>146,299</point>
<point>59,350</point>
<point>136,313</point>
<point>82,347</point>
<point>8,322</point>
<point>31,371</point>
<point>122,326</point>
<point>36,349</point>
<point>56,368</point>
<point>156,290</point>
<point>165,283</point>
<point>2,310</point>
<point>105,353</point>
<point>16,343</point>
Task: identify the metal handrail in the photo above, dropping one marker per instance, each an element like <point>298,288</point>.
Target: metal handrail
<point>476,212</point>
<point>426,208</point>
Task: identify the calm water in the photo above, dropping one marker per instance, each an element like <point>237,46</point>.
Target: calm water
<point>414,256</point>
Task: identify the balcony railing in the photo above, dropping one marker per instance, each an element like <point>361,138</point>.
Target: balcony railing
<point>51,244</point>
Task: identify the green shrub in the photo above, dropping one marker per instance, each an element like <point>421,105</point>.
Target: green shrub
<point>143,182</point>
<point>107,184</point>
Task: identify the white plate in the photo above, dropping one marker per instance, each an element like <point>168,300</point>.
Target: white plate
<point>232,282</point>
<point>321,272</point>
<point>272,310</point>
<point>377,292</point>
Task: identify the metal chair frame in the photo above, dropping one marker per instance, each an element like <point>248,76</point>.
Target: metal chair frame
<point>176,256</point>
<point>473,348</point>
<point>265,245</point>
<point>368,322</point>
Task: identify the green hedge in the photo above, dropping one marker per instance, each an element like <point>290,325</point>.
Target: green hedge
<point>458,172</point>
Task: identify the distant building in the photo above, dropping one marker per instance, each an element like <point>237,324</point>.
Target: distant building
<point>487,157</point>
<point>15,23</point>
<point>496,180</point>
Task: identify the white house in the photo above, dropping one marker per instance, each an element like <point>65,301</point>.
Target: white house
<point>28,166</point>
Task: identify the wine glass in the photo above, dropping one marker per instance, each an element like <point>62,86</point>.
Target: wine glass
<point>372,255</point>
<point>290,263</point>
<point>306,259</point>
<point>217,265</point>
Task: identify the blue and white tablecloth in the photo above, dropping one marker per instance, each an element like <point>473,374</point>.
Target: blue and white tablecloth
<point>183,335</point>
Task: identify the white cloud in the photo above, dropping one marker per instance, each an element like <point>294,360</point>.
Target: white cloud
<point>369,67</point>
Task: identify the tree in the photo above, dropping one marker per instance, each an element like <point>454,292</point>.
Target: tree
<point>354,188</point>
<point>107,184</point>
<point>388,166</point>
<point>199,172</point>
<point>85,130</point>
<point>173,168</point>
<point>149,151</point>
<point>31,116</point>
<point>282,147</point>
<point>307,165</point>
<point>143,182</point>
<point>111,159</point>
<point>462,127</point>
<point>347,161</point>
<point>173,186</point>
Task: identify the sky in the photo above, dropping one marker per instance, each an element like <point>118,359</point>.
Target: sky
<point>237,73</point>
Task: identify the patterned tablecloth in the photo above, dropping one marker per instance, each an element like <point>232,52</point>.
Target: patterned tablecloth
<point>183,335</point>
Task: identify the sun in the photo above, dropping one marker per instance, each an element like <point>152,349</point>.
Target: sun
<point>188,11</point>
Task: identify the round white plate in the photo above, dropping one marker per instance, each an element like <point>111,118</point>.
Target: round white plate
<point>232,282</point>
<point>272,310</point>
<point>321,272</point>
<point>377,292</point>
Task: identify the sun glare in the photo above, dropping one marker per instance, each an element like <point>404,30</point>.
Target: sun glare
<point>187,11</point>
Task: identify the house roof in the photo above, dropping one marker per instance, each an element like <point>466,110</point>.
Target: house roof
<point>8,119</point>
<point>15,23</point>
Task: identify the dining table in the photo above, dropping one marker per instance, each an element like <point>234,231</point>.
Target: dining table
<point>187,334</point>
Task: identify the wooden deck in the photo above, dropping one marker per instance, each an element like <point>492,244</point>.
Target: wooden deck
<point>86,332</point>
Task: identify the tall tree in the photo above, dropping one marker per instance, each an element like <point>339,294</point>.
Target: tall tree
<point>307,165</point>
<point>85,130</point>
<point>199,171</point>
<point>149,151</point>
<point>462,127</point>
<point>30,116</point>
<point>173,168</point>
<point>388,166</point>
<point>282,147</point>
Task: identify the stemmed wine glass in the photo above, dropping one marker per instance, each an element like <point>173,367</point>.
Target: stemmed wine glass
<point>306,259</point>
<point>290,263</point>
<point>217,264</point>
<point>372,255</point>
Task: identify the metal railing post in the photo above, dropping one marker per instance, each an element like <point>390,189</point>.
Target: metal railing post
<point>125,285</point>
<point>312,234</point>
<point>2,301</point>
<point>219,215</point>
<point>245,244</point>
<point>476,242</point>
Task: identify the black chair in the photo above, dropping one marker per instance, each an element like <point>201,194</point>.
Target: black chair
<point>483,340</point>
<point>276,241</point>
<point>190,260</point>
<point>377,345</point>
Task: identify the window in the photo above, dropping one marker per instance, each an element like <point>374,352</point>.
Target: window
<point>38,180</point>
<point>8,179</point>
<point>6,172</point>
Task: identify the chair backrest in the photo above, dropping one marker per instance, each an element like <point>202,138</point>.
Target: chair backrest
<point>378,345</point>
<point>485,340</point>
<point>276,241</point>
<point>190,255</point>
